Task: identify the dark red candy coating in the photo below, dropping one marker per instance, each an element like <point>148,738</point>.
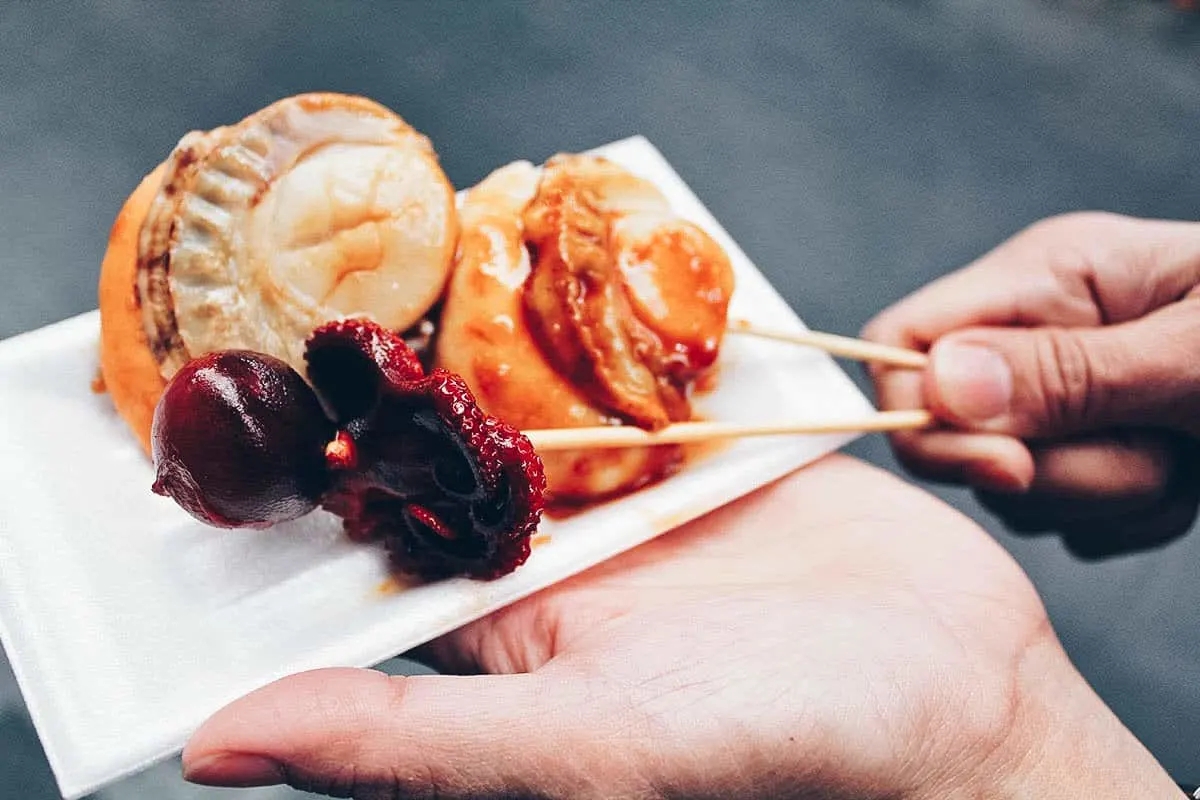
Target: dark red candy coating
<point>449,489</point>
<point>241,441</point>
<point>350,361</point>
<point>238,441</point>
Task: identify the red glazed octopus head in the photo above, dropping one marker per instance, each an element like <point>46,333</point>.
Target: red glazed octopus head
<point>403,456</point>
<point>238,441</point>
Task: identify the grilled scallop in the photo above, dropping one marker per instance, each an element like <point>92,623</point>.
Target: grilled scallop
<point>249,236</point>
<point>580,298</point>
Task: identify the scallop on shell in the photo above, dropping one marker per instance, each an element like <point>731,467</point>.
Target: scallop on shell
<point>317,207</point>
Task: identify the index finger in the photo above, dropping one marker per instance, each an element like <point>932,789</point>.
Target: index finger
<point>1077,270</point>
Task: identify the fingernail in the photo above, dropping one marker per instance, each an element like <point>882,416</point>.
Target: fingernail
<point>973,382</point>
<point>234,770</point>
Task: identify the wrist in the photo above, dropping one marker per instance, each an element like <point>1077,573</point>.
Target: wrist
<point>1062,741</point>
<point>1080,749</point>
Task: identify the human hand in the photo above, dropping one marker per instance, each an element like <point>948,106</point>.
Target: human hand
<point>1067,363</point>
<point>799,643</point>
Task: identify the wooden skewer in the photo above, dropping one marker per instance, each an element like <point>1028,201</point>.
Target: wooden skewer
<point>688,432</point>
<point>842,346</point>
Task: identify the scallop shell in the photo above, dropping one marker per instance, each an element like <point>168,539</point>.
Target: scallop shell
<point>318,207</point>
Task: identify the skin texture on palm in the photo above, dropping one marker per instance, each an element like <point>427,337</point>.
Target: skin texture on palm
<point>799,643</point>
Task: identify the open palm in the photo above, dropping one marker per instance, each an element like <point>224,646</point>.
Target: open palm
<point>839,634</point>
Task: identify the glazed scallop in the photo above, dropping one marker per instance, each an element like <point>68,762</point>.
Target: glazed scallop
<point>318,207</point>
<point>580,298</point>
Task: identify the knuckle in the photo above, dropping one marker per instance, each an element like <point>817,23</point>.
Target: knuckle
<point>1068,266</point>
<point>1066,393</point>
<point>1053,267</point>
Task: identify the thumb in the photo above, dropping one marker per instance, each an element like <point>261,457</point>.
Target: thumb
<point>365,734</point>
<point>1050,382</point>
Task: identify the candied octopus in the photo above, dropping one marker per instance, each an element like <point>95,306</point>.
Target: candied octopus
<point>579,298</point>
<point>403,456</point>
<point>238,441</point>
<point>448,488</point>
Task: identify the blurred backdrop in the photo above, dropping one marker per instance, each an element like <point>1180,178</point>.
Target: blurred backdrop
<point>856,150</point>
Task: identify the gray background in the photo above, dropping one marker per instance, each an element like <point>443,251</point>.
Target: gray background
<point>855,149</point>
